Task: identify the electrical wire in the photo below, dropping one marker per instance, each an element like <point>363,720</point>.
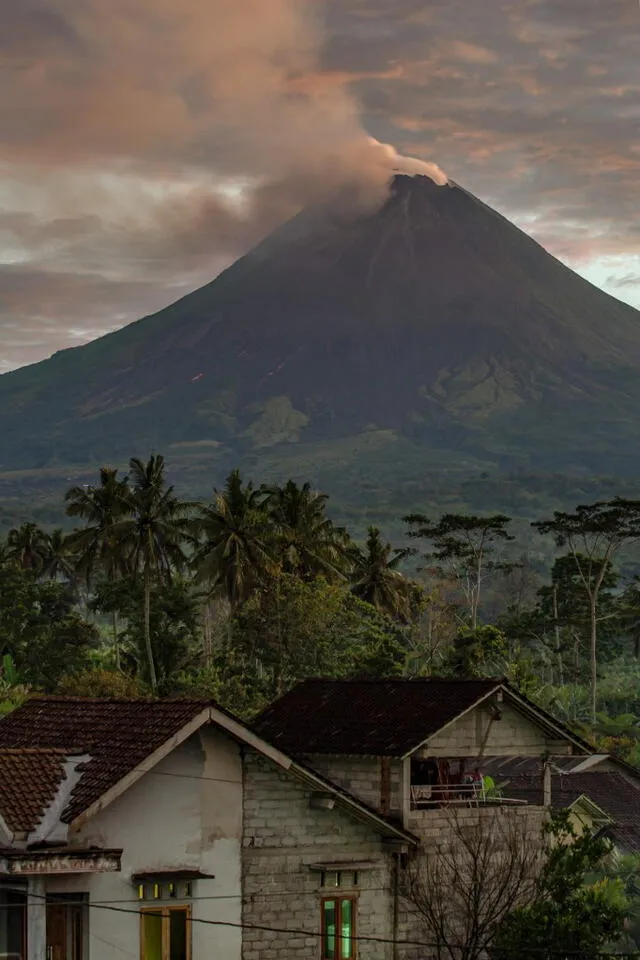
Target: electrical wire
<point>190,776</point>
<point>543,951</point>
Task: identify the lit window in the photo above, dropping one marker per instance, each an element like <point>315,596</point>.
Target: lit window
<point>166,933</point>
<point>171,890</point>
<point>338,928</point>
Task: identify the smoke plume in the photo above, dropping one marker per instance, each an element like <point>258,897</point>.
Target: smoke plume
<point>222,104</point>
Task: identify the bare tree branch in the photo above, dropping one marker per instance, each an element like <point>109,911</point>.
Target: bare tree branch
<point>486,864</point>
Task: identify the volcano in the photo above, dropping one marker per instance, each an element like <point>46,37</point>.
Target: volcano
<point>428,324</point>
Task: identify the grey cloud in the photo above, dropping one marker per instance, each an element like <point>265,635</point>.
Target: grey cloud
<point>41,312</point>
<point>531,104</point>
<point>629,280</point>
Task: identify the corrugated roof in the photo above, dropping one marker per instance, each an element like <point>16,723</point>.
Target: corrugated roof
<point>376,717</point>
<point>501,768</point>
<point>611,791</point>
<point>116,734</point>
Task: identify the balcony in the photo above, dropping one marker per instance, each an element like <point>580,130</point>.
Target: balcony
<point>461,782</point>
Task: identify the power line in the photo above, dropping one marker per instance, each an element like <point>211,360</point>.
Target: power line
<point>578,954</point>
<point>191,776</point>
<point>248,897</point>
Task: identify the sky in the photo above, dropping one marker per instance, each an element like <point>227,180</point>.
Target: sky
<point>145,144</point>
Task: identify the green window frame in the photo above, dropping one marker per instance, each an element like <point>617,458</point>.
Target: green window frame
<point>338,925</point>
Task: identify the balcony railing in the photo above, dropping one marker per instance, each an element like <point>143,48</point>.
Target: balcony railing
<point>472,794</point>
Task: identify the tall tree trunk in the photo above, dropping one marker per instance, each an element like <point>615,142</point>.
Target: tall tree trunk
<point>279,685</point>
<point>556,628</point>
<point>147,630</point>
<point>207,634</point>
<point>116,644</point>
<point>475,594</point>
<point>594,656</point>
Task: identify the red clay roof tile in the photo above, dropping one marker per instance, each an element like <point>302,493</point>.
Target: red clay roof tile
<point>29,782</point>
<point>116,734</point>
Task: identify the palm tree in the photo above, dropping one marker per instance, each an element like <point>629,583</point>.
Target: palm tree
<point>377,580</point>
<point>59,563</point>
<point>101,508</point>
<point>309,544</point>
<point>96,545</point>
<point>153,535</point>
<point>27,547</point>
<point>236,545</point>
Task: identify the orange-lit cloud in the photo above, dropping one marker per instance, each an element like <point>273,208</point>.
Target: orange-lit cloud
<point>128,127</point>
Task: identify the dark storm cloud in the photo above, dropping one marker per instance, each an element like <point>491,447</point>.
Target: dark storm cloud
<point>121,120</point>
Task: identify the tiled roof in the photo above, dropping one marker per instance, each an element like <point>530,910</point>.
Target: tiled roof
<point>375,718</point>
<point>29,782</point>
<point>608,789</point>
<point>116,734</point>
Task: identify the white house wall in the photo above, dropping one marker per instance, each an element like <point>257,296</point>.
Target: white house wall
<point>186,813</point>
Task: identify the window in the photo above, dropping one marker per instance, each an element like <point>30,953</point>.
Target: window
<point>339,878</point>
<point>13,913</point>
<point>181,890</point>
<point>338,928</point>
<point>165,933</point>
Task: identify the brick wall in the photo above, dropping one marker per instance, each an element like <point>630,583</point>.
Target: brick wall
<point>513,735</point>
<point>282,836</point>
<point>361,776</point>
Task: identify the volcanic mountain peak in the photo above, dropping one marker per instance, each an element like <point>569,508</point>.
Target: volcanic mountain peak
<point>430,320</point>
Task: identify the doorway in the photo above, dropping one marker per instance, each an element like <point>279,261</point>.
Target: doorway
<point>66,927</point>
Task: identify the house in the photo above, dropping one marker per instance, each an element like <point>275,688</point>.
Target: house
<point>168,829</point>
<point>410,747</point>
<point>601,793</point>
<point>423,752</point>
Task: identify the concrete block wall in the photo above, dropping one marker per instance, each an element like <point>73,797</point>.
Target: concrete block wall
<point>439,831</point>
<point>361,777</point>
<point>512,735</point>
<point>437,827</point>
<point>283,835</point>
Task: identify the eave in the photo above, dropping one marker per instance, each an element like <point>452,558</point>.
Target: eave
<point>58,861</point>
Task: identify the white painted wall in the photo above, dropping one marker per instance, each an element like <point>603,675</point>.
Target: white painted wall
<point>187,812</point>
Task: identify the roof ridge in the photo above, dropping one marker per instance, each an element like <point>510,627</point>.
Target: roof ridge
<point>21,751</point>
<point>399,680</point>
<point>62,698</point>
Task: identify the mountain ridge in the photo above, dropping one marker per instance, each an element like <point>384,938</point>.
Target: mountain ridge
<point>432,319</point>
